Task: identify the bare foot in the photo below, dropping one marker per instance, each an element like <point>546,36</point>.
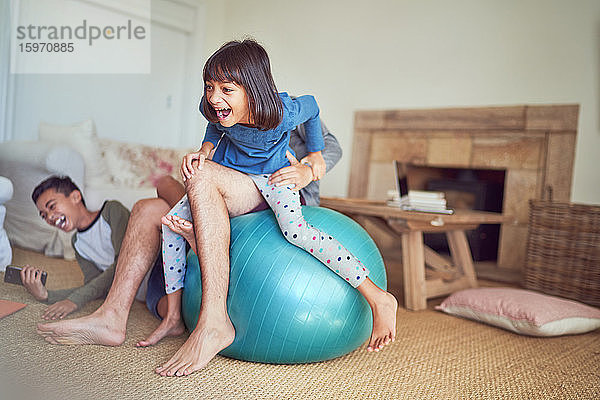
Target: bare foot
<point>182,227</point>
<point>167,327</point>
<point>202,346</point>
<point>384,321</point>
<point>96,328</point>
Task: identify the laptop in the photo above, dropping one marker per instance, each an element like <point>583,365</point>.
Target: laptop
<point>401,179</point>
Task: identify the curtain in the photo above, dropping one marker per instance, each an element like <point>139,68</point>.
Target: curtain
<point>6,78</point>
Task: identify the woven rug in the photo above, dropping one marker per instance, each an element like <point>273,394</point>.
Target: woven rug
<point>435,356</point>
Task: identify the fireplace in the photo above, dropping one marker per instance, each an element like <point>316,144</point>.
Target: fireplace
<point>531,147</point>
<point>470,189</point>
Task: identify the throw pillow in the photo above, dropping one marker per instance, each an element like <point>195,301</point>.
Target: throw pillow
<point>523,311</point>
<point>63,160</point>
<point>82,138</point>
<point>137,165</point>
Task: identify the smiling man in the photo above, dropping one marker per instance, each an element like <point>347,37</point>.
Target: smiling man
<point>97,243</point>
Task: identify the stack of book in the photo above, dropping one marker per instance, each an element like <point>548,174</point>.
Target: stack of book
<point>421,200</point>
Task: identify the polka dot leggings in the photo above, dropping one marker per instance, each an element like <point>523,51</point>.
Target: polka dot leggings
<point>174,249</point>
<point>285,203</point>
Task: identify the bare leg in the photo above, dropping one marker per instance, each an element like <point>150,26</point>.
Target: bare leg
<point>213,193</point>
<point>285,205</point>
<point>170,190</point>
<point>384,307</point>
<point>107,325</point>
<point>171,325</point>
<point>169,306</point>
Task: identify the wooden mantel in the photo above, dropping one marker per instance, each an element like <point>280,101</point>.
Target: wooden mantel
<point>533,144</point>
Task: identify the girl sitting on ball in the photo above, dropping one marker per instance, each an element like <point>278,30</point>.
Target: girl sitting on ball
<point>248,129</point>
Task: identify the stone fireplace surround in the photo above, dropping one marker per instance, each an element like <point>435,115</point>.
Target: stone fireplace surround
<point>533,144</point>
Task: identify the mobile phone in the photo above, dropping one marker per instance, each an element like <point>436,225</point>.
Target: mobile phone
<point>13,275</point>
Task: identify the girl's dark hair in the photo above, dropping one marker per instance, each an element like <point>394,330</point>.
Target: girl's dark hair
<point>247,64</point>
<point>62,184</point>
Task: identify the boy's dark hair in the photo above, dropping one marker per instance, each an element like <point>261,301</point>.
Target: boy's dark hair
<point>62,184</point>
<point>247,64</point>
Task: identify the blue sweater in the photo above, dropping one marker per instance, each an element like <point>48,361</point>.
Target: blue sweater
<point>253,151</point>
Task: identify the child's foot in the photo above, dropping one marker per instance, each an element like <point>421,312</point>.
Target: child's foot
<point>182,227</point>
<point>167,327</point>
<point>384,321</point>
<point>384,307</point>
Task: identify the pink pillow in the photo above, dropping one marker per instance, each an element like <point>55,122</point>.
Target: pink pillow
<point>523,311</point>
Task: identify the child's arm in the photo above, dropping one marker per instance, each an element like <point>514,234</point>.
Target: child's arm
<point>301,175</point>
<point>211,139</point>
<point>169,189</point>
<point>117,217</point>
<point>61,307</point>
<point>317,164</point>
<point>95,288</point>
<point>187,167</point>
<point>332,152</point>
<point>32,280</point>
<point>65,301</point>
<point>306,112</point>
<point>297,174</point>
<point>89,272</point>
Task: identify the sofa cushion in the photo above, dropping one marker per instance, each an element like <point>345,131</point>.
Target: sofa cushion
<point>26,165</point>
<point>95,196</point>
<point>81,137</point>
<point>139,166</point>
<point>6,190</point>
<point>63,160</point>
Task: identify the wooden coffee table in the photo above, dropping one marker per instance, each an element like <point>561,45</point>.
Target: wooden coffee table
<point>410,226</point>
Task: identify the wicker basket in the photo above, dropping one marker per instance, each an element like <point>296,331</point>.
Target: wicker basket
<point>563,250</point>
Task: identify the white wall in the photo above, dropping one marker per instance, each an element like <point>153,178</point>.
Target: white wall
<point>386,54</point>
<point>155,108</point>
<point>378,54</point>
<point>129,107</point>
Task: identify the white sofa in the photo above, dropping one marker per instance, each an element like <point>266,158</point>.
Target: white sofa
<point>6,192</point>
<point>102,168</point>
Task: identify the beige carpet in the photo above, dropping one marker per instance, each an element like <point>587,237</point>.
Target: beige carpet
<point>434,357</point>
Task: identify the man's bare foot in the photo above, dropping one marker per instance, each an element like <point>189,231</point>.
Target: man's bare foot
<point>202,346</point>
<point>384,321</point>
<point>182,227</point>
<point>167,327</point>
<point>96,328</point>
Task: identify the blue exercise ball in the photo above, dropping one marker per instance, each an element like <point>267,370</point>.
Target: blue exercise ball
<point>286,306</point>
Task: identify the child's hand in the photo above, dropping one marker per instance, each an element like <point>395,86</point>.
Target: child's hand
<point>298,175</point>
<point>317,163</point>
<point>60,309</point>
<point>187,166</point>
<point>32,280</point>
